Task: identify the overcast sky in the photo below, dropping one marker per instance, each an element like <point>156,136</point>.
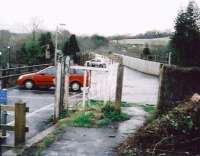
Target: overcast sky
<point>106,17</point>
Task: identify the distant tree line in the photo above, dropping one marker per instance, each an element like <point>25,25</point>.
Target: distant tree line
<point>147,35</point>
<point>38,46</point>
<point>153,34</point>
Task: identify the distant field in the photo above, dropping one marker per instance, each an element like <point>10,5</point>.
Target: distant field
<point>156,41</point>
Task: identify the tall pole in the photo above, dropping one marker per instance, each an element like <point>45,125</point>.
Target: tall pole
<point>56,46</point>
<point>56,42</point>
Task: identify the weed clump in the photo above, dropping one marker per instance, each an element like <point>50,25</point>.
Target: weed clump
<point>98,115</point>
<point>109,113</point>
<point>84,119</point>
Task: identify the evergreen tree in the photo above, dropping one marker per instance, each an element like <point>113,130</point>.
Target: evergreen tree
<point>33,52</point>
<point>66,48</point>
<point>45,41</point>
<point>186,39</point>
<point>73,45</point>
<point>71,49</point>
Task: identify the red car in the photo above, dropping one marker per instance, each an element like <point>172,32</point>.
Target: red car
<point>45,79</point>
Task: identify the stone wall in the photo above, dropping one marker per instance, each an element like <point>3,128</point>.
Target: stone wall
<point>176,84</point>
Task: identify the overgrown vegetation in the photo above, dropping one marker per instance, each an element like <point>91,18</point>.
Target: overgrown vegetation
<point>175,133</point>
<point>99,114</point>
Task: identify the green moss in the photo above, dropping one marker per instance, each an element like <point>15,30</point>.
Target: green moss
<point>48,140</point>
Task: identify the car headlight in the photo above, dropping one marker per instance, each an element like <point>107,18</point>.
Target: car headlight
<point>21,77</point>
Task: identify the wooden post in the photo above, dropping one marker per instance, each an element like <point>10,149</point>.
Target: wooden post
<point>57,92</point>
<point>119,86</point>
<point>62,86</point>
<point>20,123</point>
<point>66,95</point>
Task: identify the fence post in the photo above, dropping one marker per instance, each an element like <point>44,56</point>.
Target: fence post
<point>20,123</point>
<point>59,93</point>
<point>119,86</point>
<point>66,92</point>
<point>62,88</point>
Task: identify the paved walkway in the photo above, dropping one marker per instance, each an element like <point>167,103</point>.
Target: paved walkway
<point>95,141</point>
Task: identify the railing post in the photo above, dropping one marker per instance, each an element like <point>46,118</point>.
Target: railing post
<point>20,123</point>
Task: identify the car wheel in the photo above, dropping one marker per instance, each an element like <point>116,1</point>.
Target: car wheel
<point>101,66</point>
<point>29,84</point>
<point>88,64</point>
<point>75,86</point>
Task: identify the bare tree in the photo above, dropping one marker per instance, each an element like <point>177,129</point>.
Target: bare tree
<point>35,25</point>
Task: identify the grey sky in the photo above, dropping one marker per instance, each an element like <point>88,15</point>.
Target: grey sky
<point>106,17</point>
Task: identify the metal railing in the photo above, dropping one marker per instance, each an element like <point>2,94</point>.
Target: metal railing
<point>7,73</point>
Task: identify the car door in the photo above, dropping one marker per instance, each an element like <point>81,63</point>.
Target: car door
<point>45,77</point>
<point>76,75</point>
